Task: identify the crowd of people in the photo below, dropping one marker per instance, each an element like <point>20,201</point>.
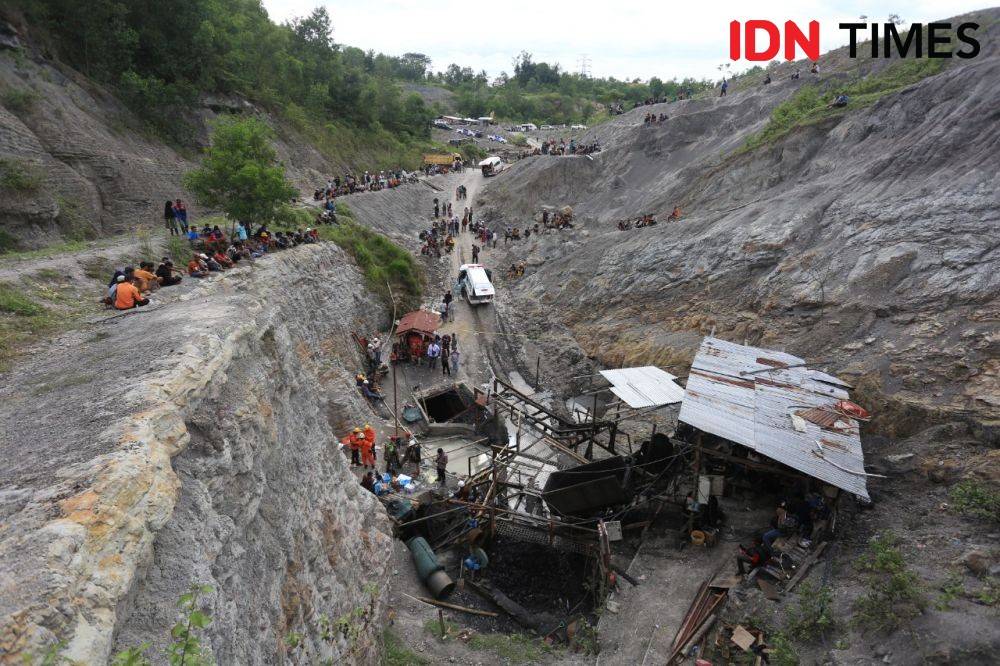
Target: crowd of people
<point>212,251</point>
<point>551,147</point>
<point>369,181</point>
<point>445,228</point>
<point>647,220</point>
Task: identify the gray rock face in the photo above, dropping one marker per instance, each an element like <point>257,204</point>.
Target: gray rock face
<point>867,240</point>
<point>101,173</point>
<point>203,451</point>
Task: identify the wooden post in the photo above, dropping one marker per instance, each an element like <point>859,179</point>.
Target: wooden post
<point>395,404</point>
<point>538,370</point>
<point>493,513</point>
<point>441,622</point>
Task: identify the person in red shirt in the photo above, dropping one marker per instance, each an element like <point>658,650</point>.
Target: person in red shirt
<point>127,296</point>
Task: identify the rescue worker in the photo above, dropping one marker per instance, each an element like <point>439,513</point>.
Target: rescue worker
<point>352,442</point>
<point>367,444</point>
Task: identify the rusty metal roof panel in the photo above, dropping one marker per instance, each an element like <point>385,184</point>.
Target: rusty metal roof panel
<point>748,395</point>
<point>421,320</point>
<point>647,386</point>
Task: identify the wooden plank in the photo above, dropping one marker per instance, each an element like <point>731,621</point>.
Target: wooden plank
<point>743,638</point>
<point>464,609</point>
<point>769,590</point>
<point>804,568</point>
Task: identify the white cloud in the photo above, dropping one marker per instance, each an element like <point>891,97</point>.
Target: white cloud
<point>625,39</point>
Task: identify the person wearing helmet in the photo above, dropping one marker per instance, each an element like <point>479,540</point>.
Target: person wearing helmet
<point>367,445</point>
<point>356,438</point>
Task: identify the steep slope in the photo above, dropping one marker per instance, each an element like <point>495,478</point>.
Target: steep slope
<point>195,443</point>
<point>97,170</point>
<point>867,240</point>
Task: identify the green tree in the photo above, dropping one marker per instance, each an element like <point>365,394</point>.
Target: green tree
<point>241,174</point>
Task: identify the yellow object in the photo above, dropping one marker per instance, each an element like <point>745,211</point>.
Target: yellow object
<point>697,537</point>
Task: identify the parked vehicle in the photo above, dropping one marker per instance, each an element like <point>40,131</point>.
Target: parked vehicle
<point>491,166</point>
<point>440,124</point>
<point>578,127</point>
<point>474,284</point>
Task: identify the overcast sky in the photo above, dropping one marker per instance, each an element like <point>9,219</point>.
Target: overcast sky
<point>622,38</point>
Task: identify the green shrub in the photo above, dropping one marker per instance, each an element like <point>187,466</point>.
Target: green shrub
<point>19,176</point>
<point>472,152</point>
<point>292,217</point>
<point>518,139</point>
<point>512,648</point>
<point>381,260</point>
<point>977,500</point>
<point>894,595</point>
<point>12,301</point>
<point>19,100</point>
<point>395,653</point>
<point>7,242</point>
<point>810,103</point>
<point>812,618</point>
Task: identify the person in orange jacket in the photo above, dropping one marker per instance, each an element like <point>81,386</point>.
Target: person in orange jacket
<point>353,441</point>
<point>368,447</point>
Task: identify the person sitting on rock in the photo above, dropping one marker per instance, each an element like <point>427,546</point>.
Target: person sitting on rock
<point>127,295</point>
<point>144,277</point>
<point>197,268</point>
<point>166,274</point>
<point>223,260</point>
<point>675,215</point>
<point>839,102</point>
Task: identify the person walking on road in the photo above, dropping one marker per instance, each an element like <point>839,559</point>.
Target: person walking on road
<point>453,358</point>
<point>448,298</point>
<point>475,253</point>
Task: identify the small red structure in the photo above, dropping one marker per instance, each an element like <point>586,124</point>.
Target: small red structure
<point>414,333</point>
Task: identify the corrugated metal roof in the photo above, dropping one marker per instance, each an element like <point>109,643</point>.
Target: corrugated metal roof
<point>647,386</point>
<point>421,320</point>
<point>748,395</point>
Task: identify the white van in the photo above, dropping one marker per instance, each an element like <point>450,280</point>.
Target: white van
<point>474,283</point>
<point>527,127</point>
<point>491,166</point>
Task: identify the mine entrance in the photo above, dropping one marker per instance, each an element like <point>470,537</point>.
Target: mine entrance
<point>444,406</point>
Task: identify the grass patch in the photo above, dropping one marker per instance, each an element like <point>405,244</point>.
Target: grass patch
<point>58,248</point>
<point>178,248</point>
<point>48,274</point>
<point>98,268</point>
<point>509,648</point>
<point>894,595</point>
<point>21,321</point>
<point>809,105</point>
<point>18,100</point>
<point>812,618</point>
<point>379,259</point>
<point>976,500</point>
<point>364,148</point>
<point>19,175</point>
<point>512,648</point>
<point>395,653</point>
<point>12,301</point>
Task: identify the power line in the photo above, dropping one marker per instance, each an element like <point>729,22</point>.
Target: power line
<point>584,63</point>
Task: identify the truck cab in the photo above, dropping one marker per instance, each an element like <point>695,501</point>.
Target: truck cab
<point>475,284</point>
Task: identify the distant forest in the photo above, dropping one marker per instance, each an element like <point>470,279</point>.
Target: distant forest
<point>161,55</point>
<point>543,93</point>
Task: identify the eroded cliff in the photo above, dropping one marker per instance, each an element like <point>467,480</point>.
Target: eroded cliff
<point>203,451</point>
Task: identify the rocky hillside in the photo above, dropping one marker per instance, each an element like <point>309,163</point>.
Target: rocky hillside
<point>88,168</point>
<point>866,239</point>
<point>195,443</point>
